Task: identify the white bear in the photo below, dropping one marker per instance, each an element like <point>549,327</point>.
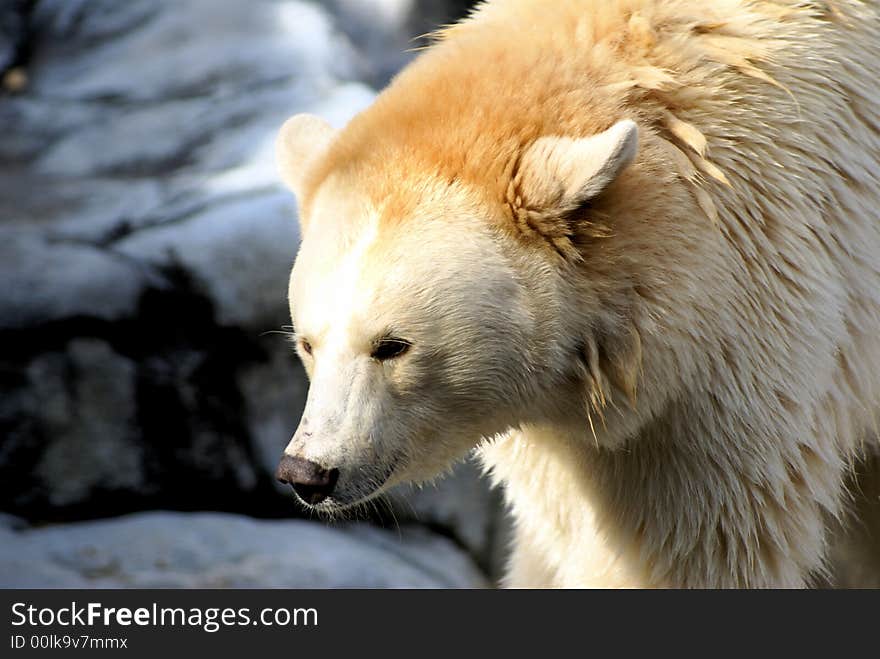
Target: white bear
<point>629,251</point>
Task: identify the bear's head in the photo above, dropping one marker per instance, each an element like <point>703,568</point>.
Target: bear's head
<point>423,325</point>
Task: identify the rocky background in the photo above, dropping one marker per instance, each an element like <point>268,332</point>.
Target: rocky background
<point>145,244</point>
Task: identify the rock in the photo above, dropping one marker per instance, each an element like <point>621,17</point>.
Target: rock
<point>275,394</point>
<point>461,504</point>
<point>12,523</point>
<point>71,212</point>
<point>239,254</point>
<point>48,279</point>
<point>388,32</point>
<point>77,410</point>
<point>163,153</point>
<point>143,226</point>
<point>145,247</point>
<point>89,49</point>
<point>91,442</point>
<point>133,415</point>
<point>13,30</point>
<point>213,550</point>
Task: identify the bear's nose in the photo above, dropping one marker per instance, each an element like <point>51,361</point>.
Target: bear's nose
<point>310,481</point>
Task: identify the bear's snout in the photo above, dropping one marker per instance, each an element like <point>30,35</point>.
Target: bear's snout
<point>312,482</point>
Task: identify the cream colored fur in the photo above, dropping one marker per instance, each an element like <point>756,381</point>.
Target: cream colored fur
<point>635,247</point>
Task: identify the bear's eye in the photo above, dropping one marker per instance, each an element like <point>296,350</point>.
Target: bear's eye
<point>389,348</point>
<point>306,346</point>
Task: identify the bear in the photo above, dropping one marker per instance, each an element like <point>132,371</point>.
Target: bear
<point>628,253</point>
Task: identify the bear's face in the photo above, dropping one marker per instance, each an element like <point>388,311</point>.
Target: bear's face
<point>423,324</point>
<point>409,333</point>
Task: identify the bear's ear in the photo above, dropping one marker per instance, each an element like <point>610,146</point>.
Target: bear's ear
<point>300,141</point>
<point>557,175</point>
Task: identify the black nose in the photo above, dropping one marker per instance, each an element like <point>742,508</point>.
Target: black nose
<point>310,481</point>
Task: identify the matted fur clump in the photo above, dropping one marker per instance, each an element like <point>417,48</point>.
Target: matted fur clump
<point>628,250</point>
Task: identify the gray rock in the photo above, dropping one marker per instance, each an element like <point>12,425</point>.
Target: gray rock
<point>79,404</point>
<point>167,127</point>
<point>145,247</point>
<point>461,503</point>
<point>140,211</point>
<point>91,427</point>
<point>212,550</point>
<point>46,279</point>
<point>149,50</point>
<point>12,523</point>
<point>388,32</point>
<point>13,28</point>
<point>239,253</point>
<point>140,140</point>
<point>275,395</point>
<point>72,211</point>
